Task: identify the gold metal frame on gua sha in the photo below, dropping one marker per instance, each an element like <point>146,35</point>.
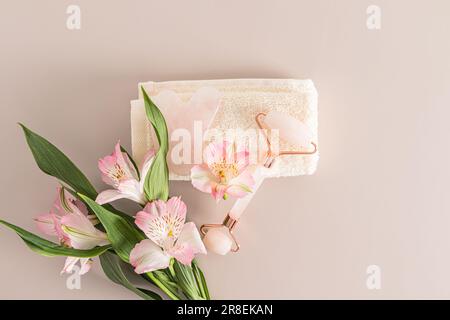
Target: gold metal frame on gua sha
<point>229,222</point>
<point>270,155</point>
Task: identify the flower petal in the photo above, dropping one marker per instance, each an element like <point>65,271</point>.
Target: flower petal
<point>81,207</point>
<point>191,237</point>
<point>65,203</point>
<point>106,165</point>
<point>242,160</point>
<point>124,162</point>
<point>82,234</point>
<point>146,256</point>
<point>162,222</point>
<point>202,178</point>
<point>132,190</point>
<point>241,185</point>
<point>108,196</point>
<point>69,264</point>
<point>176,209</point>
<point>46,224</point>
<point>218,191</point>
<point>117,167</point>
<point>215,152</point>
<point>86,264</point>
<point>227,171</point>
<point>183,253</point>
<point>148,160</point>
<point>127,189</point>
<point>50,224</point>
<point>146,220</point>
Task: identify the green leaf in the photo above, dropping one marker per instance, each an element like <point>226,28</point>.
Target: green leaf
<point>37,249</point>
<point>122,234</point>
<point>107,206</point>
<point>162,276</point>
<point>132,162</point>
<point>156,184</point>
<point>55,163</point>
<point>50,249</point>
<point>157,120</point>
<point>151,294</point>
<point>113,270</point>
<point>201,281</point>
<point>167,287</point>
<point>186,281</point>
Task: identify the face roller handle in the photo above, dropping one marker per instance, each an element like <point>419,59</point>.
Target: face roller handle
<point>241,204</point>
<point>219,238</point>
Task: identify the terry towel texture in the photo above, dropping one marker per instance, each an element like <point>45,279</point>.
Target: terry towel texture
<point>241,101</point>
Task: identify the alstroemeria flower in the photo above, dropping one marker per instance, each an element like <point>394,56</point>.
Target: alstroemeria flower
<point>119,172</point>
<point>169,236</point>
<point>69,221</point>
<point>226,171</point>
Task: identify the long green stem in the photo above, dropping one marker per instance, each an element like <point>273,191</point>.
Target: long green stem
<point>201,282</point>
<point>171,270</point>
<point>166,290</point>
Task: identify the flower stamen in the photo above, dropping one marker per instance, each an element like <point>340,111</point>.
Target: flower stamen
<point>225,171</point>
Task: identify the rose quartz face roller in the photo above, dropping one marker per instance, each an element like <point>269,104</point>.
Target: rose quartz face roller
<point>219,238</point>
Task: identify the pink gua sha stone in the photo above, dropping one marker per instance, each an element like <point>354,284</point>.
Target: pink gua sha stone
<point>200,108</point>
<point>217,240</point>
<point>292,131</point>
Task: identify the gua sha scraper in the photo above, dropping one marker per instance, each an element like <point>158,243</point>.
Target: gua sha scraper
<point>219,238</point>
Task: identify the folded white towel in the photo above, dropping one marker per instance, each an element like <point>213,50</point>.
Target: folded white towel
<point>241,100</point>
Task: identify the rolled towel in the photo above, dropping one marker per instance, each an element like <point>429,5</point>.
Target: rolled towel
<point>231,104</point>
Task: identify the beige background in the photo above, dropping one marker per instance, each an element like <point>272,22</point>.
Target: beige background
<point>380,195</point>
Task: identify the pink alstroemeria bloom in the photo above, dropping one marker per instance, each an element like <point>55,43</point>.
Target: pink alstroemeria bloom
<point>169,236</point>
<point>119,172</point>
<point>226,171</point>
<point>69,221</point>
